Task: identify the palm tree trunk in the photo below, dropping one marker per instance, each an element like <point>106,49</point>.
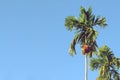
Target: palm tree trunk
<point>86,68</point>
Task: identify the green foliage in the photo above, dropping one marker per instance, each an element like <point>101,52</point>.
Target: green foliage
<point>100,21</point>
<point>71,22</point>
<point>72,46</point>
<point>106,63</point>
<point>85,34</point>
<point>95,63</point>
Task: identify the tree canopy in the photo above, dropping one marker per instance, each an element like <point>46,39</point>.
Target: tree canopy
<point>85,32</point>
<point>107,64</point>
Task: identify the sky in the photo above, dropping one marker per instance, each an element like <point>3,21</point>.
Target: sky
<point>34,42</point>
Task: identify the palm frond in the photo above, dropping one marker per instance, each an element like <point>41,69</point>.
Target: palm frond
<point>89,11</point>
<point>83,17</point>
<point>96,63</point>
<point>72,22</point>
<point>100,21</point>
<point>72,49</point>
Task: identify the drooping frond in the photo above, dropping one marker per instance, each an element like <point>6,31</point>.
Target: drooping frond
<point>96,63</point>
<point>72,49</point>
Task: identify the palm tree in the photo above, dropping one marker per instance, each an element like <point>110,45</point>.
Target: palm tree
<point>85,33</point>
<point>106,63</point>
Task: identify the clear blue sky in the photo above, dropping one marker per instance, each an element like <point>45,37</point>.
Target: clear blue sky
<point>34,42</point>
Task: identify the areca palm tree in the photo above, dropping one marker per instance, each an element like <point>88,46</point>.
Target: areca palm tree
<point>106,63</point>
<point>85,33</point>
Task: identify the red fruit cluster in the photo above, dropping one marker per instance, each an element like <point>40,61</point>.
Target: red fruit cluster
<point>86,49</point>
